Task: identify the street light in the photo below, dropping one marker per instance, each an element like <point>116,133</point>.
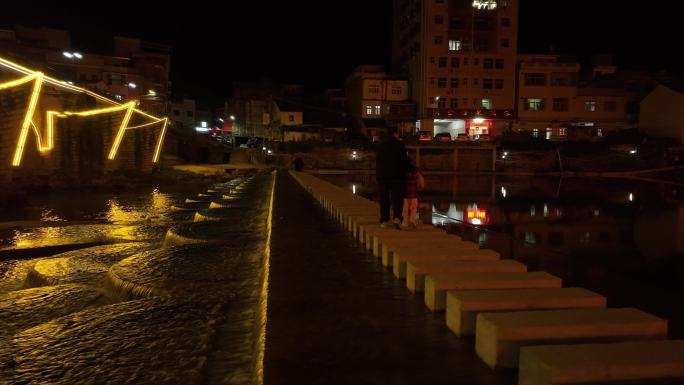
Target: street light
<point>72,55</point>
<point>232,117</point>
<point>132,85</point>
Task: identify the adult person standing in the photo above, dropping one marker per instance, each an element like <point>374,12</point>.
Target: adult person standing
<point>391,166</point>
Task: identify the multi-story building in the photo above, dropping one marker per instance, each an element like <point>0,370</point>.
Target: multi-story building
<point>460,57</point>
<point>135,69</point>
<point>183,114</point>
<point>556,101</point>
<point>374,97</point>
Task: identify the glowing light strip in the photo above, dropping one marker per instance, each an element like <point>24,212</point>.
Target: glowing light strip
<point>122,129</point>
<point>263,301</point>
<point>16,67</point>
<point>38,82</point>
<point>28,123</point>
<point>160,142</point>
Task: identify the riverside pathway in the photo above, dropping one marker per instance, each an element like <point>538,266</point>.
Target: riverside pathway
<point>336,316</point>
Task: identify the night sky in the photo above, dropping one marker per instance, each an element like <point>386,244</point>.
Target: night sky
<point>317,43</point>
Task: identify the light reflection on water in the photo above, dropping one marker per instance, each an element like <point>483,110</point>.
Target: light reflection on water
<point>619,237</point>
<point>84,218</point>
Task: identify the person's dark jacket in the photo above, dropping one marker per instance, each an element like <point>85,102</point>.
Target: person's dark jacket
<point>391,161</point>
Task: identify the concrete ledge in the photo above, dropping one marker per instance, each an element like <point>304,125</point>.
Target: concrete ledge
<point>462,307</point>
<point>388,247</point>
<point>633,362</point>
<point>417,270</point>
<point>436,285</point>
<point>500,336</point>
<point>401,257</point>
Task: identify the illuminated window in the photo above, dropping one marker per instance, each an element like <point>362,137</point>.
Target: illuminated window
<point>560,104</point>
<point>455,45</point>
<point>377,109</point>
<point>487,104</point>
<point>369,109</point>
<point>599,132</point>
<point>590,106</point>
<point>535,133</point>
<point>535,79</point>
<point>534,104</point>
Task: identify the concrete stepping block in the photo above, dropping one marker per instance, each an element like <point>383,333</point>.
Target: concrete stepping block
<point>468,251</point>
<point>624,362</point>
<point>436,285</point>
<point>499,336</point>
<point>462,307</point>
<point>417,270</point>
<point>388,246</point>
<point>374,232</point>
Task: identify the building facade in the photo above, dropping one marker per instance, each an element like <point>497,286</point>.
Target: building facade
<point>557,102</point>
<point>460,57</point>
<point>134,69</point>
<point>377,100</point>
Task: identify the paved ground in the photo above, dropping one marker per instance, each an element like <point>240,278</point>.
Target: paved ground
<point>336,316</point>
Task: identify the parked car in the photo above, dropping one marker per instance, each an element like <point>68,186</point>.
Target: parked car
<point>443,137</point>
<point>424,136</point>
<point>463,138</point>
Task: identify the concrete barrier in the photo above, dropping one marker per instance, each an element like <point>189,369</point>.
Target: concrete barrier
<point>400,258</point>
<point>417,270</point>
<point>436,285</point>
<point>462,307</point>
<point>500,336</point>
<point>388,247</point>
<point>626,362</point>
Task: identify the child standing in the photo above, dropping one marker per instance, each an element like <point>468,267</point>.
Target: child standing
<point>414,184</point>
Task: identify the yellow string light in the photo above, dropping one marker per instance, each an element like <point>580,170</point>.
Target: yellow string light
<point>45,146</point>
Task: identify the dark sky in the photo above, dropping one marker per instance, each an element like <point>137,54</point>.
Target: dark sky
<point>317,43</point>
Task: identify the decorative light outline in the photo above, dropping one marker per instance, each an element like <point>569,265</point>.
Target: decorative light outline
<point>39,78</point>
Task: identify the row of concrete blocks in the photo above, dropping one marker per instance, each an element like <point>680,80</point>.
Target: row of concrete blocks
<point>522,319</point>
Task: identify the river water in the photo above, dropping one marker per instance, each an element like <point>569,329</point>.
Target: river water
<point>621,238</point>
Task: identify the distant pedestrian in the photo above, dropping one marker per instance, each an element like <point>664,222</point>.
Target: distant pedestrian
<point>414,184</point>
<point>298,163</point>
<point>391,165</point>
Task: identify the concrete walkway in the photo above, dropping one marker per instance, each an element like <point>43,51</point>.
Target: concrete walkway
<point>336,316</point>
